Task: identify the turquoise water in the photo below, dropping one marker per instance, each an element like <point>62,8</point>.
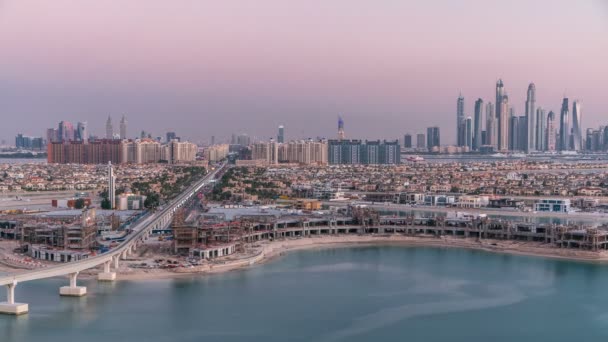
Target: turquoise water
<point>343,294</point>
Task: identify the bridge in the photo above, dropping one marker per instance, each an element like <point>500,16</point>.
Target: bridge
<point>141,231</point>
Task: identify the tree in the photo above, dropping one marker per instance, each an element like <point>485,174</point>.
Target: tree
<point>79,204</point>
<point>106,204</point>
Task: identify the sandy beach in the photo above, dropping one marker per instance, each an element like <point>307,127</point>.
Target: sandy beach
<point>264,251</point>
<point>267,251</point>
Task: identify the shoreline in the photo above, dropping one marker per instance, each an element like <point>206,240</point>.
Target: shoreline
<point>275,249</point>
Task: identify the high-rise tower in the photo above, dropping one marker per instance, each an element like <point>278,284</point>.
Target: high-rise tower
<point>478,124</point>
<point>551,132</point>
<point>503,123</point>
<point>281,135</point>
<point>531,119</point>
<point>460,123</point>
<point>564,127</point>
<point>541,129</point>
<point>123,128</point>
<point>341,135</point>
<point>491,126</point>
<point>577,130</point>
<point>468,133</point>
<point>109,129</point>
<point>82,132</point>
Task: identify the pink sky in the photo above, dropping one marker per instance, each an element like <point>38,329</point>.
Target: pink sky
<point>216,67</point>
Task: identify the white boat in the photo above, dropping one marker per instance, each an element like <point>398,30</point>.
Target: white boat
<point>415,159</point>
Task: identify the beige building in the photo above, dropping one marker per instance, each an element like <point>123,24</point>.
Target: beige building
<point>267,151</point>
<point>216,152</point>
<point>141,151</point>
<point>178,152</point>
<point>304,152</point>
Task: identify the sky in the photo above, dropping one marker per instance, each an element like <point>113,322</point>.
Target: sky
<point>204,68</point>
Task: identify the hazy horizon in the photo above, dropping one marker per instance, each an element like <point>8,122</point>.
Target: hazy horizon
<point>203,68</point>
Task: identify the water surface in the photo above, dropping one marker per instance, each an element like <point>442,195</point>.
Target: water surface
<point>342,294</point>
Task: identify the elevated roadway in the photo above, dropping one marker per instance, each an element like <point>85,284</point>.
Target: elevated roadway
<point>141,230</point>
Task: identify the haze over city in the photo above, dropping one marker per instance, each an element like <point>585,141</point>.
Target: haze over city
<point>205,68</point>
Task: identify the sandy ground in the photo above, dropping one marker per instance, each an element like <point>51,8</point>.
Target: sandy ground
<point>266,251</point>
<point>33,200</point>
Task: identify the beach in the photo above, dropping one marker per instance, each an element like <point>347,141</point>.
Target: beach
<point>269,250</point>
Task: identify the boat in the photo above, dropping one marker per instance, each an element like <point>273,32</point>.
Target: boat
<point>415,159</point>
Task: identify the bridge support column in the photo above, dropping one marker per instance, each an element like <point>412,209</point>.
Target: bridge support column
<point>116,258</point>
<point>107,274</point>
<point>10,307</point>
<point>73,290</point>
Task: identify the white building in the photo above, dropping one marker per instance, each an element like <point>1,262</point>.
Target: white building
<point>553,205</point>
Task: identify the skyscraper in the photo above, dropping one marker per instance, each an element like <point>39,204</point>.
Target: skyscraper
<point>577,129</point>
<point>460,124</point>
<point>551,132</point>
<point>469,133</point>
<point>564,127</point>
<point>171,136</point>
<point>420,141</point>
<point>491,126</point>
<point>503,123</point>
<point>514,130</point>
<point>123,128</point>
<point>82,132</point>
<point>530,119</point>
<point>541,129</point>
<point>432,138</point>
<point>407,140</point>
<point>341,134</point>
<point>281,135</point>
<point>65,132</point>
<point>500,92</point>
<point>109,129</point>
<point>478,125</point>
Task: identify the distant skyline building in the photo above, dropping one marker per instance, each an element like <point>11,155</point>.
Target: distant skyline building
<point>551,135</point>
<point>407,140</point>
<point>577,130</point>
<point>531,119</point>
<point>503,123</point>
<point>109,129</point>
<point>82,132</point>
<point>541,129</point>
<point>460,122</point>
<point>281,135</point>
<point>491,126</point>
<point>564,126</point>
<point>433,138</point>
<point>469,133</point>
<point>477,141</point>
<point>123,128</point>
<point>370,152</point>
<point>170,136</point>
<point>420,141</point>
<point>341,134</point>
<point>514,130</point>
<point>65,132</point>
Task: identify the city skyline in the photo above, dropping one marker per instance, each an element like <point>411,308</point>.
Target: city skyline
<point>301,83</point>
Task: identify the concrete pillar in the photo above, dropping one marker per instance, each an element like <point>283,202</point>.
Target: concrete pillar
<point>116,258</point>
<point>73,290</point>
<point>107,275</point>
<point>10,293</point>
<point>10,307</point>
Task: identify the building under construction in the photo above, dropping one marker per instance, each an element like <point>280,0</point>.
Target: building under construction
<point>199,234</point>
